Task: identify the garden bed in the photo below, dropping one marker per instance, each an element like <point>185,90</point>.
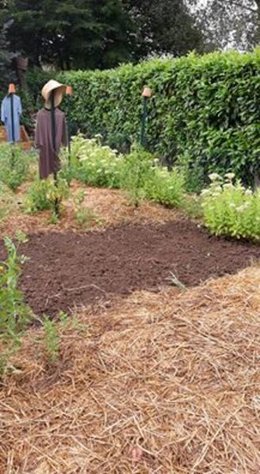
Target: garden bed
<point>142,377</point>
<point>66,269</point>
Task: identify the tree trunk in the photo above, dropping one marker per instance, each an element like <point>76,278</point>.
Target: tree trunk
<point>21,65</point>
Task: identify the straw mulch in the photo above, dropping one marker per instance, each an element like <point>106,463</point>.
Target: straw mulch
<point>164,383</point>
<point>106,207</point>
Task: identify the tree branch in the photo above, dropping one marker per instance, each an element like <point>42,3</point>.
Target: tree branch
<point>246,7</point>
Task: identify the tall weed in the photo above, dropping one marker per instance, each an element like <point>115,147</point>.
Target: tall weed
<point>51,339</point>
<point>14,167</point>
<point>136,171</point>
<point>14,313</point>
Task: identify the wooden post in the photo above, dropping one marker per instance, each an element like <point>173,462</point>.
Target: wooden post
<point>69,94</point>
<point>146,94</point>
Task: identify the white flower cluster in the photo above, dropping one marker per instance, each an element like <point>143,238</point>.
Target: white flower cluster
<point>230,208</point>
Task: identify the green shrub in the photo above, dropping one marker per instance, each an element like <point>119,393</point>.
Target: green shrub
<point>143,178</point>
<point>138,172</point>
<point>36,78</point>
<point>67,171</point>
<point>193,173</point>
<point>14,165</point>
<point>166,187</point>
<point>44,194</point>
<point>86,217</point>
<point>36,199</point>
<point>230,209</point>
<point>95,164</point>
<point>191,205</point>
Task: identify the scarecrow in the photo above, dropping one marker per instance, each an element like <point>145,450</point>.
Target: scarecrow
<point>51,131</point>
<point>11,111</point>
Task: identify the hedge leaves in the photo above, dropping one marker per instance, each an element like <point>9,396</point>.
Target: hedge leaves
<point>204,111</point>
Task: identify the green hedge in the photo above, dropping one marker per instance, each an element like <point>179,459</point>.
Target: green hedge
<point>204,112</point>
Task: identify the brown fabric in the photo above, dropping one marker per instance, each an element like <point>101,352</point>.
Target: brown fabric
<point>49,158</point>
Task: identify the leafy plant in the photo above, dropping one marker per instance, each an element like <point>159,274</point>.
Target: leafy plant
<point>85,216</point>
<point>6,55</point>
<point>66,173</point>
<point>166,187</point>
<point>192,206</point>
<point>36,199</point>
<point>44,194</point>
<point>137,170</point>
<point>14,313</point>
<point>71,321</point>
<point>138,173</point>
<point>51,339</point>
<point>14,167</point>
<point>193,173</point>
<point>230,208</point>
<point>53,331</point>
<point>94,163</point>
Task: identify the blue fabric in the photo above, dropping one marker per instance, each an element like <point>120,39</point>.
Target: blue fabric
<point>6,116</point>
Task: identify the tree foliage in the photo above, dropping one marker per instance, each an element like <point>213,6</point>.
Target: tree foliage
<point>164,26</point>
<point>232,23</point>
<point>6,56</point>
<point>71,33</point>
<point>99,33</point>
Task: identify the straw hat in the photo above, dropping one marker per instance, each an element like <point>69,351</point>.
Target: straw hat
<point>58,88</point>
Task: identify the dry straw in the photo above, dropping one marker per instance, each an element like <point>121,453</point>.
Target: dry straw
<point>110,206</point>
<point>163,384</point>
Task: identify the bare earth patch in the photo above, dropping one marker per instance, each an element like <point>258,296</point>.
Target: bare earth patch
<point>67,270</point>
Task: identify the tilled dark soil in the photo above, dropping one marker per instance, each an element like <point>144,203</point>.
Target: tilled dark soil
<point>68,269</point>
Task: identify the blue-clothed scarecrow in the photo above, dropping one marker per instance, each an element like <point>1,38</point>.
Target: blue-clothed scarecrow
<point>6,117</point>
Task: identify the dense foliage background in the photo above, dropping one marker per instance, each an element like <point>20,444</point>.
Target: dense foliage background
<point>204,111</point>
<point>73,34</point>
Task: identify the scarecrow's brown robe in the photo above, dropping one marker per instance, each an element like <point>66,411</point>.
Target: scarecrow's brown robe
<point>49,159</point>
